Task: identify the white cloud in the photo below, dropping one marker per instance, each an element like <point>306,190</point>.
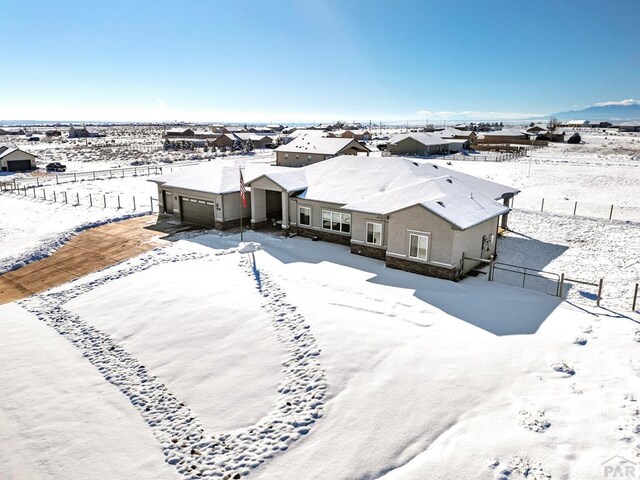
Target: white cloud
<point>476,115</point>
<point>625,103</point>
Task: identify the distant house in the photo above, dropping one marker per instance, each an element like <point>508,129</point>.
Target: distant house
<point>553,136</point>
<point>537,129</point>
<point>275,127</point>
<point>224,140</point>
<point>11,131</point>
<point>504,136</point>
<point>53,133</point>
<point>458,134</point>
<point>360,135</point>
<point>83,132</point>
<point>576,123</point>
<point>633,126</point>
<point>417,143</point>
<point>12,159</point>
<point>179,132</point>
<point>258,141</point>
<point>233,129</point>
<point>308,149</point>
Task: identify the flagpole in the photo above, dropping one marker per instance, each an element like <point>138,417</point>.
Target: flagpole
<point>241,207</point>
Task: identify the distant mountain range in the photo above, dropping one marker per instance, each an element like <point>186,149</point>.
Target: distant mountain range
<point>613,112</point>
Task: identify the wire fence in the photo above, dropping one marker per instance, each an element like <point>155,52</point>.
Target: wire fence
<point>580,208</point>
<point>58,178</point>
<point>90,200</point>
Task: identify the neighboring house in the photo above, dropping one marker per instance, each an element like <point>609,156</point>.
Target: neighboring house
<point>258,141</point>
<point>179,132</point>
<point>629,126</point>
<point>233,130</point>
<point>83,132</point>
<point>360,135</point>
<point>417,143</point>
<point>53,133</point>
<point>11,131</point>
<point>454,133</point>
<point>224,140</point>
<point>576,123</point>
<point>504,136</point>
<point>276,128</point>
<point>309,149</point>
<point>204,134</point>
<point>457,144</point>
<point>416,217</point>
<point>12,159</point>
<point>554,136</point>
<point>537,129</point>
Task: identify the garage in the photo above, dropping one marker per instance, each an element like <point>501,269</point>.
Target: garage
<point>198,212</point>
<point>167,201</point>
<point>18,165</point>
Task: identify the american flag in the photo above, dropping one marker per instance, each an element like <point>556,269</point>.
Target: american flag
<point>243,191</point>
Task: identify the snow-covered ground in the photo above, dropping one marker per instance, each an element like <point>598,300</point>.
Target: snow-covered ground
<point>424,378</point>
<point>187,363</point>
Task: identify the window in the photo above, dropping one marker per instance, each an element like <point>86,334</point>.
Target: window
<point>286,156</point>
<point>374,233</point>
<point>336,221</point>
<point>308,158</point>
<point>418,246</point>
<point>304,217</point>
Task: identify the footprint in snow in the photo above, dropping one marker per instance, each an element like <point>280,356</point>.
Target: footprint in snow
<point>534,421</point>
<point>562,367</point>
<point>580,341</point>
<point>518,467</point>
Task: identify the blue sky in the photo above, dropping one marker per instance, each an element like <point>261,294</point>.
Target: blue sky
<point>291,61</point>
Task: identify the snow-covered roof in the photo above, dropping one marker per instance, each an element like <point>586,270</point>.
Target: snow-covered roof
<point>211,178</point>
<point>320,145</point>
<point>4,152</point>
<point>506,133</point>
<point>420,137</point>
<point>446,197</point>
<point>453,132</point>
<point>178,129</point>
<point>386,184</point>
<point>254,137</point>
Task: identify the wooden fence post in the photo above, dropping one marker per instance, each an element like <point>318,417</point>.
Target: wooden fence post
<point>599,293</point>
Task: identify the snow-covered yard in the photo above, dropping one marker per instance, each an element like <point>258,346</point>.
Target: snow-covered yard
<point>331,366</point>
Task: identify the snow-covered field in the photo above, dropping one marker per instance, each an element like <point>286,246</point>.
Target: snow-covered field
<point>329,366</point>
<point>187,363</point>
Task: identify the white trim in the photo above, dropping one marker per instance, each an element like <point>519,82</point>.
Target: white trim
<point>341,215</point>
<point>366,233</point>
<point>419,235</point>
<point>300,207</point>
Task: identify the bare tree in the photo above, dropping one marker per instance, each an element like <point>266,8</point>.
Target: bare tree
<point>553,123</point>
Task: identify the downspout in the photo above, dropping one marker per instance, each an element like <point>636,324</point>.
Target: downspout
<point>222,207</point>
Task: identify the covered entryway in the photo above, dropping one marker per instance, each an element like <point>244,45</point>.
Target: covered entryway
<point>269,204</point>
<point>167,201</point>
<point>18,165</point>
<point>198,212</point>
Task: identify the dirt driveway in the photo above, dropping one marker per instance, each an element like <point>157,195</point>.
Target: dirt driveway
<point>88,252</point>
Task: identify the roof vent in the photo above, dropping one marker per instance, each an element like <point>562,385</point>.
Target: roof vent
<point>440,202</point>
<point>416,164</point>
<point>449,180</point>
<point>434,166</point>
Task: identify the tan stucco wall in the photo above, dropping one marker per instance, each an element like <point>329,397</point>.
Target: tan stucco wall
<point>469,242</point>
<point>316,213</point>
<point>303,158</point>
<point>409,146</point>
<point>441,234</point>
<point>359,226</point>
<point>18,155</point>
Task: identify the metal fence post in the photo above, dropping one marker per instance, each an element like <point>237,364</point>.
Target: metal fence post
<point>134,203</point>
<point>75,178</point>
<point>635,297</point>
<point>151,203</point>
<point>119,202</point>
<point>542,207</point>
<point>611,212</point>
<point>575,207</point>
<point>65,198</point>
<point>104,199</point>
<point>90,200</point>
<point>561,285</point>
<point>44,194</point>
<point>55,198</point>
<point>599,293</point>
<point>78,198</point>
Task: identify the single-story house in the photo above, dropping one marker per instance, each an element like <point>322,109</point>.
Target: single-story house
<point>458,144</point>
<point>179,132</point>
<point>553,136</point>
<point>308,149</point>
<point>11,131</point>
<point>53,133</point>
<point>417,217</point>
<point>505,136</point>
<point>276,127</point>
<point>537,129</point>
<point>224,140</point>
<point>360,135</point>
<point>576,123</point>
<point>417,143</point>
<point>12,159</point>
<point>83,132</point>
<point>633,126</point>
<point>457,134</point>
<point>259,141</point>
